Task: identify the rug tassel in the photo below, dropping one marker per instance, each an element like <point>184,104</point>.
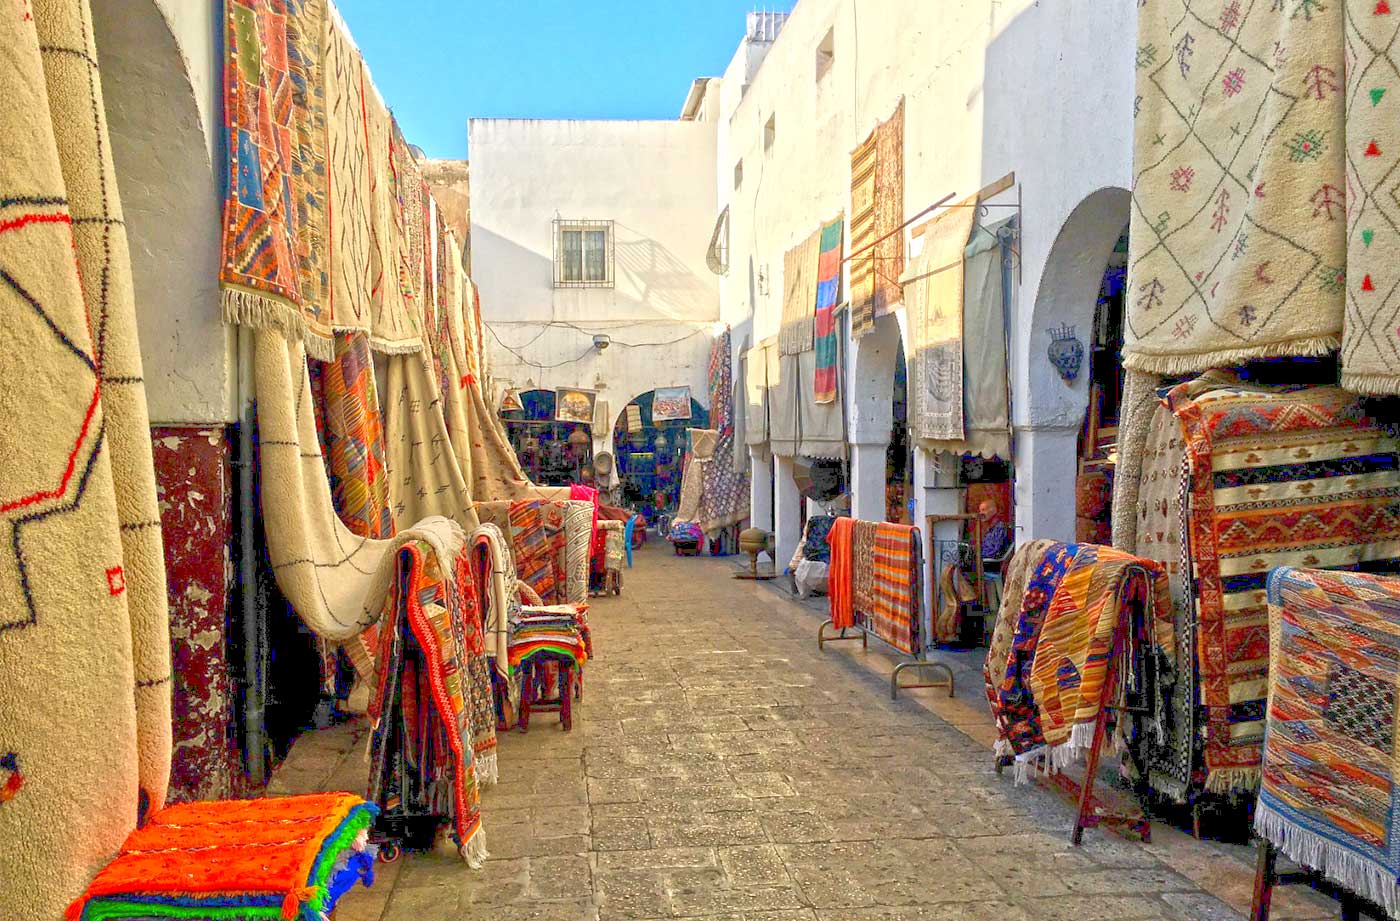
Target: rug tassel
<point>1177,365</point>
<point>1379,385</point>
<point>474,851</point>
<point>1230,780</point>
<point>487,769</point>
<point>319,347</point>
<point>395,348</point>
<point>245,307</point>
<point>1329,858</point>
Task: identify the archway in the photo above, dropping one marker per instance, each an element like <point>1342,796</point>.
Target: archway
<point>876,366</point>
<point>650,455</point>
<point>1047,451</point>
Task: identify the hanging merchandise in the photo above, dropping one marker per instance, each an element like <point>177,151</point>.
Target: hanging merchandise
<point>934,291</point>
<point>510,401</point>
<point>85,718</point>
<point>670,404</point>
<point>799,295</point>
<point>351,256</point>
<point>634,419</point>
<point>756,395</point>
<point>877,214</point>
<point>828,293</point>
<point>574,405</point>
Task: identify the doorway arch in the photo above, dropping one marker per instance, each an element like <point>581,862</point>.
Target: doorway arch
<point>649,455</point>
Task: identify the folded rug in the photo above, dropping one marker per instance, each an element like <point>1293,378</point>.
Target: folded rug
<point>897,596</point>
<point>1279,477</point>
<point>578,535</point>
<point>840,585</point>
<point>530,546</point>
<point>278,858</point>
<point>1014,578</point>
<point>1328,791</point>
<point>1076,644</point>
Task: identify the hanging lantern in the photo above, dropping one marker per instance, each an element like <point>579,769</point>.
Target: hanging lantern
<point>510,401</point>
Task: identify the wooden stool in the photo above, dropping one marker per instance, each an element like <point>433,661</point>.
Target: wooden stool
<point>562,702</point>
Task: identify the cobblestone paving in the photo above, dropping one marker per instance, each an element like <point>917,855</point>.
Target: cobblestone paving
<point>724,769</point>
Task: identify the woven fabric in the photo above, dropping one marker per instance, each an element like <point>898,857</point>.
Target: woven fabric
<point>425,475</point>
<point>1238,219</point>
<point>353,434</point>
<point>897,599</point>
<point>466,601</point>
<point>799,295</point>
<point>395,314</point>
<point>421,746</point>
<point>531,548</point>
<point>863,566</point>
<point>578,537</point>
<point>497,572</point>
<point>1014,578</point>
<point>756,386</point>
<point>1018,721</point>
<point>724,498</point>
<point>552,630</point>
<point>934,301</point>
<point>828,293</point>
<point>877,211</point>
<point>954,591</point>
<point>1328,792</point>
<point>634,418</point>
<point>1279,477</point>
<point>841,575</point>
<point>986,314</point>
<point>83,613</point>
<point>1135,417</point>
<point>1371,322</point>
<point>271,75</point>
<point>222,856</point>
<point>351,257</point>
<point>814,543</point>
<point>1075,647</point>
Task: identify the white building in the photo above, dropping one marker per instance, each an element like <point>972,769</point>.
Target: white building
<point>582,229</point>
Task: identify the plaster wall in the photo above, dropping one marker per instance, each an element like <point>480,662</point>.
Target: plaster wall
<point>1043,88</point>
<point>655,181</point>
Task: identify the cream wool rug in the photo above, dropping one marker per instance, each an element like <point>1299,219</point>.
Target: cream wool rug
<point>1238,247</point>
<point>799,295</point>
<point>395,318</point>
<point>578,537</point>
<point>82,590</point>
<point>1139,403</point>
<point>335,580</point>
<point>352,259</point>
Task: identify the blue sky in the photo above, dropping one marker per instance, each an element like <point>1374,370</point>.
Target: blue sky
<point>440,62</point>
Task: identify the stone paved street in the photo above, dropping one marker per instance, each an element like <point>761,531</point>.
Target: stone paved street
<point>725,770</point>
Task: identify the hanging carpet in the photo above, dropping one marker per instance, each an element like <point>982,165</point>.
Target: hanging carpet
<point>84,641</point>
<point>825,325</point>
<point>877,211</point>
<point>799,295</point>
<point>353,434</point>
<point>896,594</point>
<point>986,411</point>
<point>425,476</point>
<point>352,257</point>
<point>841,575</point>
<point>1017,573</point>
<point>724,499</point>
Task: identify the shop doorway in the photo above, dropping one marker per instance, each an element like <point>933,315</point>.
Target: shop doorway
<point>899,467</point>
<point>1098,439</point>
<point>551,453</point>
<point>650,455</point>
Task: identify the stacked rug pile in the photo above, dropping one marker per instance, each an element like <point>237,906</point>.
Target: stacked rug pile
<point>283,859</point>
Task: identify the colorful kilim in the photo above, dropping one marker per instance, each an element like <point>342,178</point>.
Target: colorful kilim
<point>897,595</point>
<point>1017,573</point>
<point>421,758</point>
<point>275,858</point>
<point>1278,478</point>
<point>353,435</point>
<point>553,630</point>
<point>863,566</point>
<point>1076,641</point>
<point>1328,794</point>
<point>828,293</point>
<point>259,270</point>
<point>1018,721</point>
<point>466,600</point>
<point>531,547</point>
<point>1240,195</point>
<point>877,211</point>
<point>724,499</point>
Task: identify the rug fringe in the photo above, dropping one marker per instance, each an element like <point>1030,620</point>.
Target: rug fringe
<point>318,346</point>
<point>1337,863</point>
<point>1175,365</point>
<point>1230,780</point>
<point>1379,385</point>
<point>246,307</point>
<point>486,768</point>
<point>394,348</point>
<point>474,851</point>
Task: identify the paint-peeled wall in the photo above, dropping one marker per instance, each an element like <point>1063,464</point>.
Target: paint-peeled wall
<point>655,182</point>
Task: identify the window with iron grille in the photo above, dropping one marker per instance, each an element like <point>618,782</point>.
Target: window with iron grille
<point>583,254</point>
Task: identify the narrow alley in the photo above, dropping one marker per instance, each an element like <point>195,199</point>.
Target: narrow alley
<point>723,769</point>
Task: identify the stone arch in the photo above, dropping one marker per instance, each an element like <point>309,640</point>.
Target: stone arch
<point>870,381</point>
<point>160,82</point>
<point>1069,288</point>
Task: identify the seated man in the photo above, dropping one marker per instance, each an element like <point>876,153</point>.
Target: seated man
<point>995,537</point>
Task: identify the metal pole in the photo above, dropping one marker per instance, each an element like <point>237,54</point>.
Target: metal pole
<point>249,592</point>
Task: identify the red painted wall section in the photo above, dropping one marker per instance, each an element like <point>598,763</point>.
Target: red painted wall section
<point>194,486</point>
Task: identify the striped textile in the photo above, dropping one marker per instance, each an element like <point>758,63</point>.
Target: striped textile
<point>531,547</point>
<point>353,433</point>
<point>1076,641</point>
<point>1329,765</point>
<point>840,587</point>
<point>897,599</point>
<point>1018,721</point>
<point>560,630</point>
<point>863,566</point>
<point>877,210</point>
<point>1279,477</point>
<point>828,293</point>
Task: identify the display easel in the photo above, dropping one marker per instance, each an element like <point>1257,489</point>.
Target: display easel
<point>1093,811</point>
<point>1266,877</point>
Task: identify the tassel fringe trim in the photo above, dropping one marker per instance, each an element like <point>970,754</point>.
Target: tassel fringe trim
<point>385,347</point>
<point>258,310</point>
<point>1232,780</point>
<point>474,851</point>
<point>486,768</point>
<point>1379,385</point>
<point>1338,863</point>
<point>1174,365</point>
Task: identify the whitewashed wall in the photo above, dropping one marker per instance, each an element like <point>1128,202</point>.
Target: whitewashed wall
<point>1044,89</point>
<point>655,181</point>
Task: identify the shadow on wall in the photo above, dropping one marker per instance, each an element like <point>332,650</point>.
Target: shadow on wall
<point>514,265</point>
<point>170,199</point>
<point>660,280</point>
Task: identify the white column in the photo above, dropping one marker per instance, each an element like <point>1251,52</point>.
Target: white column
<point>935,493</point>
<point>787,512</point>
<point>868,482</point>
<point>1047,460</point>
<point>761,488</point>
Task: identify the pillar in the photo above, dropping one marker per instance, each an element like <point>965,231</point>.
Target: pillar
<point>936,492</point>
<point>1047,460</point>
<point>787,512</point>
<point>868,481</point>
<point>761,488</point>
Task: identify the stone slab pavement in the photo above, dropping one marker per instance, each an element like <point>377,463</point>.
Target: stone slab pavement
<point>721,768</point>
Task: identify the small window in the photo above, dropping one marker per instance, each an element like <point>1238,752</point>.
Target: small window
<point>770,133</point>
<point>738,174</point>
<point>583,254</point>
<point>826,53</point>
